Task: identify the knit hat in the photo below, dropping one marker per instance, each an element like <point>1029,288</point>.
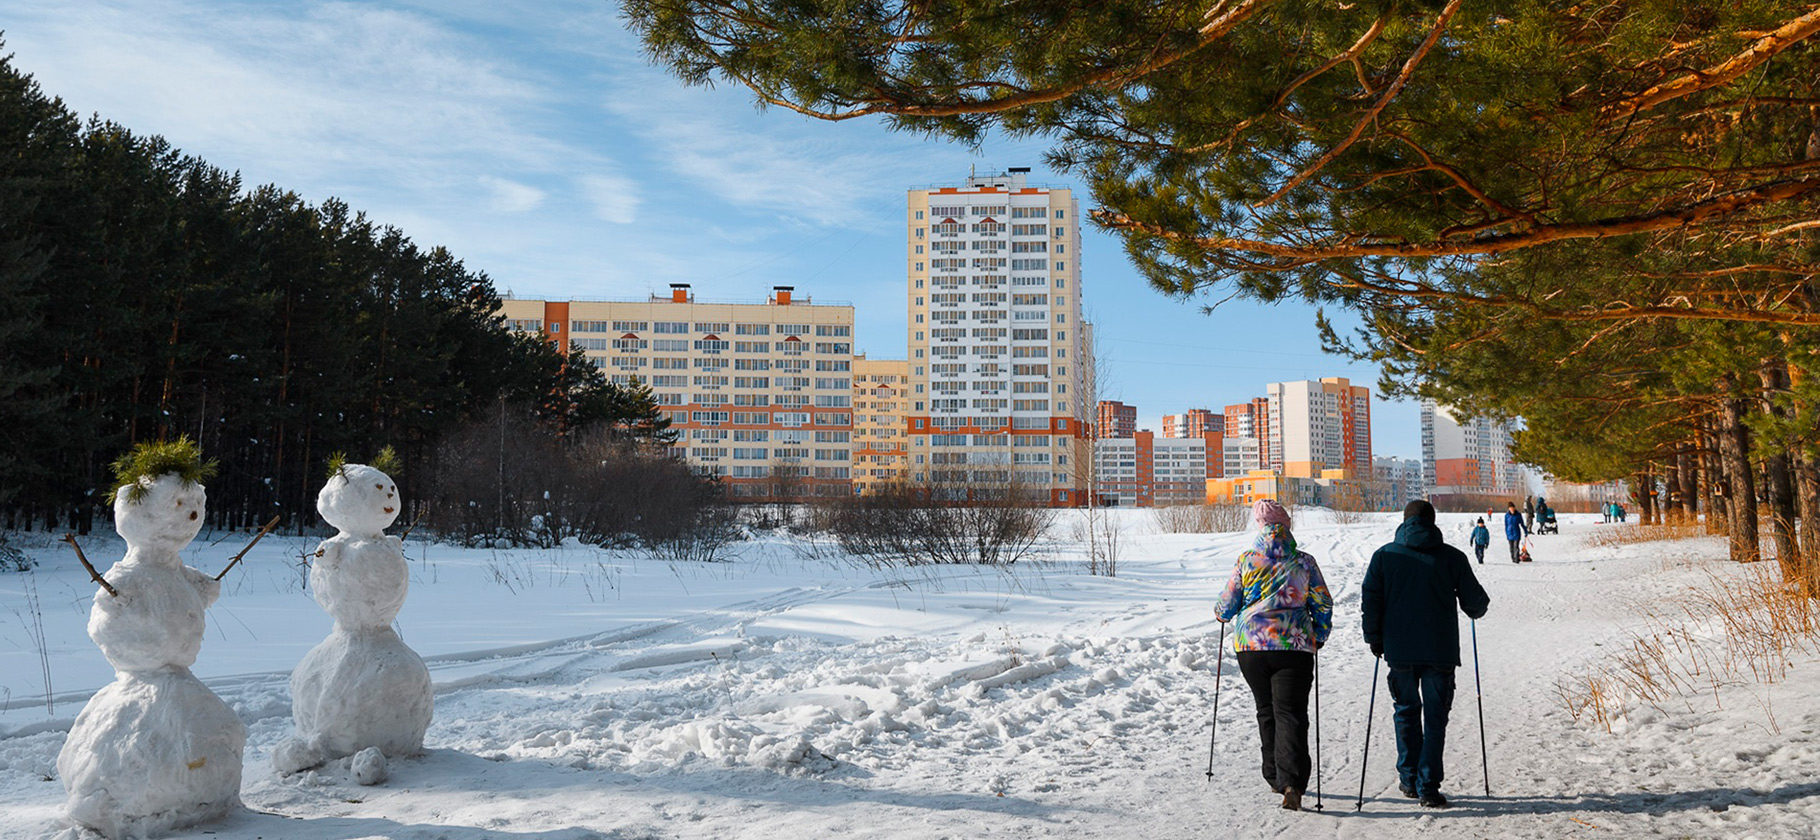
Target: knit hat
<point>1419,509</point>
<point>1268,512</point>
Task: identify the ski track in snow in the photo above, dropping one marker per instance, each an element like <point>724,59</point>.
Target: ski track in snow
<point>779,696</point>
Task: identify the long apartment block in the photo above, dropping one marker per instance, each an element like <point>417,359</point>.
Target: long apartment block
<point>761,391</point>
<point>997,368</point>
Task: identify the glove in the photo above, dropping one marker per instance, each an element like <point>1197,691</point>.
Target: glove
<point>1377,648</point>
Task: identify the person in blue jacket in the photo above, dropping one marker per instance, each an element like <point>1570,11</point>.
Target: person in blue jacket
<point>1408,598</point>
<point>1481,538</point>
<point>1515,529</point>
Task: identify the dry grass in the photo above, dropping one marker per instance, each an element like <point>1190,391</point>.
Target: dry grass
<point>1730,632</point>
<point>1610,537</point>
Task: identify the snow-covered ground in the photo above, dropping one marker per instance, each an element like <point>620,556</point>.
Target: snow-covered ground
<point>584,694</point>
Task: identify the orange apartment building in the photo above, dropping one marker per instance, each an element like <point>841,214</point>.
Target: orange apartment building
<point>1115,420</point>
<point>996,349</point>
<point>881,390</point>
<point>1194,422</point>
<point>761,392</point>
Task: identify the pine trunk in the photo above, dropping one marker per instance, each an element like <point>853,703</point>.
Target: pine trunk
<point>1740,487</point>
<point>1807,484</point>
<point>1779,477</point>
<point>1690,482</point>
<point>1718,512</point>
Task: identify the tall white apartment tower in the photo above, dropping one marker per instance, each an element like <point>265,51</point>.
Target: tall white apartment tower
<point>1466,456</point>
<point>997,346</point>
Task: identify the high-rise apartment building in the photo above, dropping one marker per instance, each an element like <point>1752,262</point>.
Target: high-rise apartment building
<point>881,390</point>
<point>1116,420</point>
<point>1195,422</point>
<point>1319,425</point>
<point>760,392</point>
<point>997,361</point>
<point>1251,420</point>
<point>1397,480</point>
<point>1466,457</point>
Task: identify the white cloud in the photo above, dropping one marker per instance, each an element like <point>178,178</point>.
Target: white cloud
<point>614,199</point>
<point>511,196</point>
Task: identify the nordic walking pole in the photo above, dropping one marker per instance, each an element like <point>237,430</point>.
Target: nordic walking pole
<point>1484,762</point>
<point>1219,656</point>
<point>1317,728</point>
<point>1370,712</point>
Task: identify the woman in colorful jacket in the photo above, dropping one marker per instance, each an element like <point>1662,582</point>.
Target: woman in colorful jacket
<point>1285,614</point>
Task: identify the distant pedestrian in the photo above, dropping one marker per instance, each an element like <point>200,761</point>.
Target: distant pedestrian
<point>1529,513</point>
<point>1481,538</point>
<point>1408,600</point>
<point>1515,529</point>
<point>1607,508</point>
<point>1285,615</point>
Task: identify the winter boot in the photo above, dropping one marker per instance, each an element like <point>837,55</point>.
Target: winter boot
<point>1435,800</point>
<point>1292,799</point>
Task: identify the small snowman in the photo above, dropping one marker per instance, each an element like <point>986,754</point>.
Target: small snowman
<point>155,749</point>
<point>361,692</point>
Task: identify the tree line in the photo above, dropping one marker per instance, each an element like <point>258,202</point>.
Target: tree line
<point>146,294</point>
<point>1603,219</point>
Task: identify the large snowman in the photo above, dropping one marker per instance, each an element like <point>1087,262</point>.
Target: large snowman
<point>361,692</point>
<point>155,749</point>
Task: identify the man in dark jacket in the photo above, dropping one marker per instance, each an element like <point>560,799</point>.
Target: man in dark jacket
<point>1409,594</point>
<point>1515,529</point>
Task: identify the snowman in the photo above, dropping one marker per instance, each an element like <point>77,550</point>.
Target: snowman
<point>361,692</point>
<point>155,749</point>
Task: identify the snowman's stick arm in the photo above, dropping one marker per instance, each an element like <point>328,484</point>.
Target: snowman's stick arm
<point>249,547</point>
<point>71,539</point>
<point>413,526</point>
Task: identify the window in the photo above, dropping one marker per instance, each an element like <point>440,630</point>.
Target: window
<point>670,345</point>
<point>833,330</point>
<point>591,343</point>
<point>630,326</point>
<point>627,343</point>
<point>842,365</point>
<point>670,364</point>
<point>711,327</point>
<point>1029,247</point>
<point>712,345</point>
<point>670,327</point>
<point>752,329</point>
<point>751,346</point>
<point>590,326</point>
<point>555,327</point>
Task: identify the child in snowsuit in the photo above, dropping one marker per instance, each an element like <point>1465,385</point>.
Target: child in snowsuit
<point>1285,614</point>
<point>1481,538</point>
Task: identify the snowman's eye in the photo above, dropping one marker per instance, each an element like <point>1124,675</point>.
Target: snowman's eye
<point>379,487</point>
<point>192,515</point>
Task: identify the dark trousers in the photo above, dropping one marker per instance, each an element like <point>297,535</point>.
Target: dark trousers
<point>1422,696</point>
<point>1514,545</point>
<point>1280,680</point>
<point>1479,550</point>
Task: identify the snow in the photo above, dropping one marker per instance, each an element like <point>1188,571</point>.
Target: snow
<point>583,693</point>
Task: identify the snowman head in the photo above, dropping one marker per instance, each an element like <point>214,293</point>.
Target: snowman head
<point>163,512</point>
<point>359,500</point>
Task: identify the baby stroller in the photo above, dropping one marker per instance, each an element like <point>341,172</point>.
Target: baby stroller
<point>1545,522</point>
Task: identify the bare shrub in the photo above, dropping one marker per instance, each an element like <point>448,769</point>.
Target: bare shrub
<point>1099,530</point>
<point>986,523</point>
<point>1201,519</point>
<point>513,480</point>
<point>1350,501</point>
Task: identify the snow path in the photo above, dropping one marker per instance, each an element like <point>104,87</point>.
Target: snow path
<point>781,696</point>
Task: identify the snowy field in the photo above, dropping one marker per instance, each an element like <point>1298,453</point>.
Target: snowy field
<point>588,694</point>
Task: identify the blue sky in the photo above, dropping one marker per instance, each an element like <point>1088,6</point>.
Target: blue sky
<point>537,144</point>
